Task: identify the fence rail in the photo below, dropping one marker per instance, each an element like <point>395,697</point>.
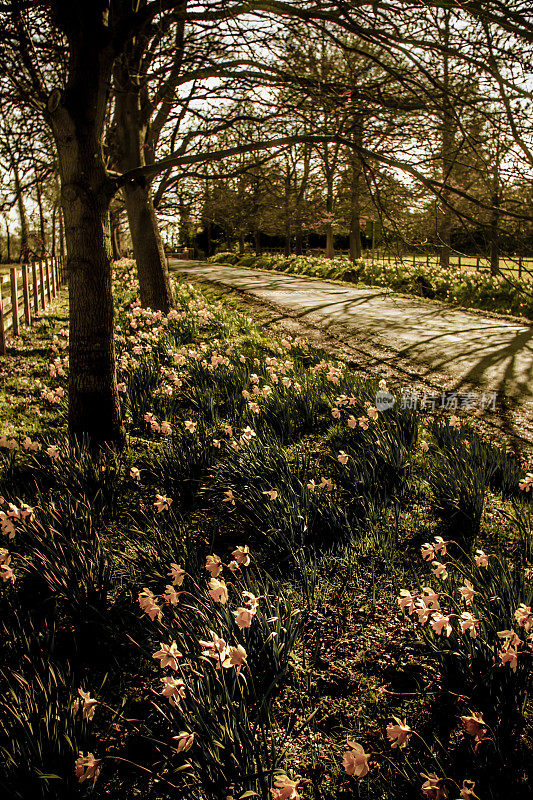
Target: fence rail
<point>25,292</point>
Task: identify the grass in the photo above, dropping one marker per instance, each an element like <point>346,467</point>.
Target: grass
<point>334,502</point>
<point>463,286</point>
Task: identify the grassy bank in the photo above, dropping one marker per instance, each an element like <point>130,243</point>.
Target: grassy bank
<point>460,286</point>
<point>275,590</point>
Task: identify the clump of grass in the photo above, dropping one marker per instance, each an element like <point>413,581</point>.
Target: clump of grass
<point>296,518</point>
<point>38,731</point>
<point>181,463</point>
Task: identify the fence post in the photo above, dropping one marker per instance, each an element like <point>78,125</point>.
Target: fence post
<point>459,261</point>
<point>26,294</point>
<point>2,326</point>
<point>53,276</point>
<point>35,288</point>
<point>477,263</point>
<point>41,275</point>
<point>427,260</point>
<point>48,282</point>
<point>14,301</point>
<point>519,267</point>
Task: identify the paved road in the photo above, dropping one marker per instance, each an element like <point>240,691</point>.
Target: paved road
<point>472,349</point>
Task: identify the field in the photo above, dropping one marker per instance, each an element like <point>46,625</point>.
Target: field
<point>276,590</point>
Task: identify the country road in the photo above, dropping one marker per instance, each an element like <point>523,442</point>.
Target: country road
<point>492,354</point>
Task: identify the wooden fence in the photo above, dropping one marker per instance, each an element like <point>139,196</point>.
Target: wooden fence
<point>521,266</point>
<point>25,292</point>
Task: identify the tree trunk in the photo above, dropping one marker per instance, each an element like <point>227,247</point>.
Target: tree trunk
<point>494,235</point>
<point>23,218</point>
<point>298,201</point>
<point>148,250</point>
<point>355,195</point>
<point>299,238</point>
<point>61,233</point>
<point>94,410</point>
<point>286,204</point>
<point>355,235</point>
<point>328,172</point>
<point>185,220</point>
<point>256,234</point>
<point>257,242</point>
<point>298,232</point>
<point>209,235</point>
<point>54,217</point>
<point>206,218</point>
<point>8,242</point>
<point>24,232</point>
<point>116,242</point>
<point>444,214</point>
<point>77,117</point>
<point>330,252</point>
<point>41,219</point>
<point>445,230</point>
